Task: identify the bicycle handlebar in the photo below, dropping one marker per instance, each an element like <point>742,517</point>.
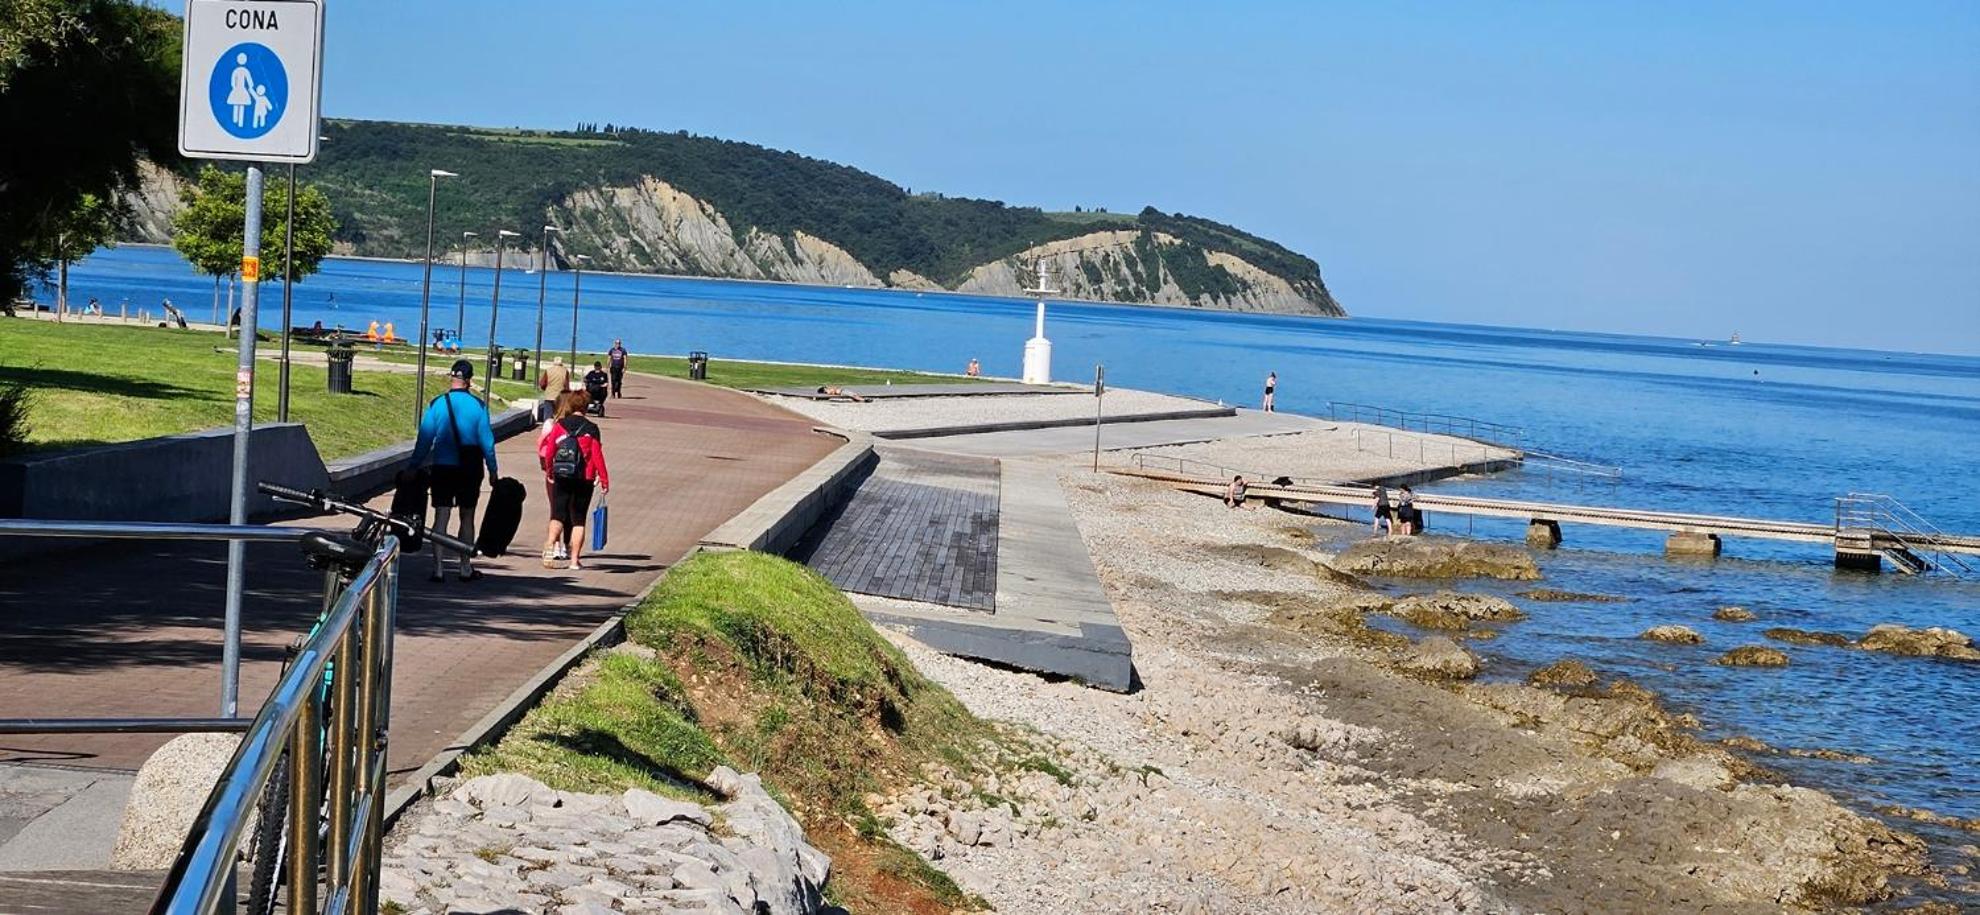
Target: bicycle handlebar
<point>325,502</point>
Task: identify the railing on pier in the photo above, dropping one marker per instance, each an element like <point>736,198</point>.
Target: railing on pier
<point>1477,430</point>
<point>1894,529</point>
<point>1142,460</point>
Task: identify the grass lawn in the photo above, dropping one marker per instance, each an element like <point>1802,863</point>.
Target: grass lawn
<point>96,383</point>
<point>730,373</point>
<point>758,663</point>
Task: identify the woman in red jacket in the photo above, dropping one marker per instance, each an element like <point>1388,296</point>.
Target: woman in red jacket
<point>573,457</point>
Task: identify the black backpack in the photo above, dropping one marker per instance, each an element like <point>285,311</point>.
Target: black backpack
<point>567,461</point>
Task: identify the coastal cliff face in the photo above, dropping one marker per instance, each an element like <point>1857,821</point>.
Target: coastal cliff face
<point>655,227</point>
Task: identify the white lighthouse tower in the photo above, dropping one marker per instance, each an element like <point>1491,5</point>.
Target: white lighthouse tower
<point>1038,350</point>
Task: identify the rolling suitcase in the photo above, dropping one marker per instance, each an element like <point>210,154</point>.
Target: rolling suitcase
<point>500,520</point>
<point>409,499</point>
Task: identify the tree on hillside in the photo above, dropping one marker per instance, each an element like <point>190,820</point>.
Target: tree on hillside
<point>208,231</point>
<point>91,87</point>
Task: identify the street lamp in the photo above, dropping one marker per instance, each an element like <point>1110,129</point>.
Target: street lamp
<point>460,316</point>
<point>288,281</point>
<point>577,282</point>
<point>494,309</point>
<point>542,289</point>
<point>426,291</point>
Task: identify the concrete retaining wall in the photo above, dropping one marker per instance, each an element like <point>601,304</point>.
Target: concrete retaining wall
<point>773,523</point>
<point>175,478</point>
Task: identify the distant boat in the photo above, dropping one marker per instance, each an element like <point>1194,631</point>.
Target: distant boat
<point>1735,339</point>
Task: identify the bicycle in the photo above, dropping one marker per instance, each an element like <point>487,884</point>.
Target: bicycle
<point>340,558</point>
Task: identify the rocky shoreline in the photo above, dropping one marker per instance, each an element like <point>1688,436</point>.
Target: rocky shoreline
<point>1295,758</point>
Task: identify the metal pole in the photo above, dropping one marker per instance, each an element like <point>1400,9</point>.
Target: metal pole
<point>288,281</point>
<point>230,657</point>
<point>494,307</point>
<point>460,314</point>
<point>1099,396</point>
<point>577,283</point>
<point>542,290</point>
<point>425,299</point>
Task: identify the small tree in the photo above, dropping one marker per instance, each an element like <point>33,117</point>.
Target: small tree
<point>208,231</point>
<point>88,225</point>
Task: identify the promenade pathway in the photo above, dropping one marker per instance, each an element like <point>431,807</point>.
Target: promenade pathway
<point>134,628</point>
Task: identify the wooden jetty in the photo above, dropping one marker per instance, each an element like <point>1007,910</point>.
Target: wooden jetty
<point>1869,529</point>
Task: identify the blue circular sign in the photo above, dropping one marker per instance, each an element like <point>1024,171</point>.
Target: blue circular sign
<point>249,90</point>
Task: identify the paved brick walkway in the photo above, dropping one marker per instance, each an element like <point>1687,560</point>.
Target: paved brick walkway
<point>922,527</point>
<point>134,628</point>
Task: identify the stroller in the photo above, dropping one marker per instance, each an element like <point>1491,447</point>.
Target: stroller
<point>597,385</point>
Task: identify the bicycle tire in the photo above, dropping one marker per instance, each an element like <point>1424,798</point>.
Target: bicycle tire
<point>270,841</point>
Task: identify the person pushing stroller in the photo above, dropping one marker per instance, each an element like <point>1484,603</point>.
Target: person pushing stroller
<point>596,385</point>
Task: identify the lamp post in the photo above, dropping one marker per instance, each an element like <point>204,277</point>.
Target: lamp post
<point>542,290</point>
<point>494,310</point>
<point>577,283</point>
<point>460,315</point>
<point>433,177</point>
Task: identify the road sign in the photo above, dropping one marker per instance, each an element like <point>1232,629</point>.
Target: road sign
<point>251,80</point>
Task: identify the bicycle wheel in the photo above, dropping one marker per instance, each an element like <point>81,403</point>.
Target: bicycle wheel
<point>270,842</point>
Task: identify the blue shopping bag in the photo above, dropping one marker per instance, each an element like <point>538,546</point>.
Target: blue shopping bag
<point>598,519</point>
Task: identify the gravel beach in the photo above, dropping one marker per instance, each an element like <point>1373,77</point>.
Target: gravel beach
<point>1279,759</point>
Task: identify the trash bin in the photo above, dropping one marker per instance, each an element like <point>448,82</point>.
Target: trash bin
<point>521,365</point>
<point>494,364</point>
<point>698,365</point>
<point>340,367</point>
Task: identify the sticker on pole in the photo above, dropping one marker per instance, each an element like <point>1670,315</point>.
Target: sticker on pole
<point>251,79</point>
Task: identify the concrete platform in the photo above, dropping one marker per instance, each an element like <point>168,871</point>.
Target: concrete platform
<point>921,527</point>
<point>1049,612</point>
<point>1118,435</point>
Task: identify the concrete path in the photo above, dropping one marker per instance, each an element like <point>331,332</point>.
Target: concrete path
<point>58,818</point>
<point>897,391</point>
<point>1076,439</point>
<point>134,629</point>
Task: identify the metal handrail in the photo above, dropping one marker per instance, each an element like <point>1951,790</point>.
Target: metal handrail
<point>1436,423</point>
<point>1884,514</point>
<point>356,636</point>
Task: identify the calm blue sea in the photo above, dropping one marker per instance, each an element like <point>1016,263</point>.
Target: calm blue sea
<point>1754,429</point>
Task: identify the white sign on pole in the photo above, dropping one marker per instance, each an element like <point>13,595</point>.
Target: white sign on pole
<point>251,80</point>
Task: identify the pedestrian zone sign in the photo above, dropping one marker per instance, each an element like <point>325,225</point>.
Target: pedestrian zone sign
<point>251,80</point>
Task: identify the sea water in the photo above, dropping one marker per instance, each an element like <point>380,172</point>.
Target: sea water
<point>1753,429</point>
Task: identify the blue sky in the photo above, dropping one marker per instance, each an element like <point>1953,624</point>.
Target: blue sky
<point>1800,172</point>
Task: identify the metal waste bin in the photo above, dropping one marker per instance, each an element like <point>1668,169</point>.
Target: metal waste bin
<point>521,365</point>
<point>340,367</point>
<point>698,365</point>
<point>494,365</point>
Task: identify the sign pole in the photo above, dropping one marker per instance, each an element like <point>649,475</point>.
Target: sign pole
<point>230,663</point>
<point>1099,396</point>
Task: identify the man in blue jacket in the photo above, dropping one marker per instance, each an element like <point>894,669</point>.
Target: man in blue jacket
<point>456,434</point>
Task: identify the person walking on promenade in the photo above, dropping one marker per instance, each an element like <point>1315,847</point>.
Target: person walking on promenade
<point>1271,387</point>
<point>456,434</point>
<point>571,402</point>
<point>551,385</point>
<point>574,462</point>
<point>617,357</point>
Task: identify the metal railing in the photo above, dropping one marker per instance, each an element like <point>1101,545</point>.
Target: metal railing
<point>1431,423</point>
<point>333,729</point>
<point>1881,514</point>
<point>1189,466</point>
<point>1431,446</point>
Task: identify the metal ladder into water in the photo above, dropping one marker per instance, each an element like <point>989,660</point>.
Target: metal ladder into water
<point>1869,522</point>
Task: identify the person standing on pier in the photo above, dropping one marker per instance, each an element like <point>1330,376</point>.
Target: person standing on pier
<point>1271,387</point>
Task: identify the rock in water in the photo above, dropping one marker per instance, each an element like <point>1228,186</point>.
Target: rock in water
<point>1557,596</point>
<point>1935,642</point>
<point>1437,557</point>
<point>1805,637</point>
<point>1733,614</point>
<point>1438,656</point>
<point>1753,656</point>
<point>1565,672</point>
<point>169,791</point>
<point>1679,635</point>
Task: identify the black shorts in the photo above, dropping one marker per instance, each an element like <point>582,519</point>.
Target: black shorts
<point>455,485</point>
<point>570,502</point>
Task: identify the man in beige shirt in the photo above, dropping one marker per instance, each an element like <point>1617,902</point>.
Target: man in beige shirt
<point>555,380</point>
